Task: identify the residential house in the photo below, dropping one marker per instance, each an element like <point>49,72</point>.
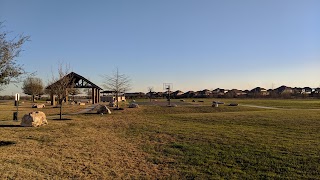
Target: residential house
<point>297,90</point>
<point>306,90</point>
<point>189,94</point>
<point>258,92</point>
<point>234,93</point>
<point>284,90</point>
<point>204,93</point>
<point>160,94</point>
<point>219,92</point>
<point>177,94</point>
<point>316,91</point>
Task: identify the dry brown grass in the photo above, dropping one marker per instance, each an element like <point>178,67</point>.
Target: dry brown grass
<point>88,146</point>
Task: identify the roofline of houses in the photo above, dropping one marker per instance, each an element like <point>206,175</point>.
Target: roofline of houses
<point>220,92</point>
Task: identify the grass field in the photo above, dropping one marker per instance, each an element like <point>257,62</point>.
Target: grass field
<point>191,141</point>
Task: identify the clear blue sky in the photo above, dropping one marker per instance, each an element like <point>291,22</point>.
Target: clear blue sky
<point>194,44</point>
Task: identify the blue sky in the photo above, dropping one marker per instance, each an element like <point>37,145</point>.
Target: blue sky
<point>193,44</point>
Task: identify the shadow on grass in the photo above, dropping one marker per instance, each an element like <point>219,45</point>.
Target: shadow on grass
<point>6,143</point>
<point>9,125</point>
<point>90,113</point>
<point>62,119</point>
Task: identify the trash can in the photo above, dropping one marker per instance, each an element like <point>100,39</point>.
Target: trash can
<point>15,116</point>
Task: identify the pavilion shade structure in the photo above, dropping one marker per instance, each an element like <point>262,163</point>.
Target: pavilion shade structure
<point>77,81</point>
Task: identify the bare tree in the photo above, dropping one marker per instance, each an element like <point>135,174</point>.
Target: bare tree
<point>9,51</point>
<point>60,84</point>
<point>33,86</point>
<point>150,89</point>
<point>73,92</point>
<point>117,83</point>
<point>87,92</point>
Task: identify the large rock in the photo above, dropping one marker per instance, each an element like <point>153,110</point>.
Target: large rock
<point>34,119</point>
<point>38,106</point>
<point>104,110</point>
<point>133,105</point>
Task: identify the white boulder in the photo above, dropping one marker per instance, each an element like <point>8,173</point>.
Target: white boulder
<point>38,106</point>
<point>34,119</point>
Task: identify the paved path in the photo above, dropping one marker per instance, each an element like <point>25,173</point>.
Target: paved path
<point>266,107</point>
<point>261,107</point>
<point>88,109</point>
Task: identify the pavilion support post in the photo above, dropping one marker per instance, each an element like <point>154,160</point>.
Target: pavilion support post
<point>99,97</point>
<point>93,95</point>
<point>53,99</point>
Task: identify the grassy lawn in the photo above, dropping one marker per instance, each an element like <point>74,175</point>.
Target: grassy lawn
<point>277,103</point>
<point>191,141</point>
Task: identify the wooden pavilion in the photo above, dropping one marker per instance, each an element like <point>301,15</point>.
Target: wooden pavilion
<point>75,80</point>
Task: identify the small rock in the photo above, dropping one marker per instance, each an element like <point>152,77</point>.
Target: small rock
<point>38,106</point>
<point>133,105</point>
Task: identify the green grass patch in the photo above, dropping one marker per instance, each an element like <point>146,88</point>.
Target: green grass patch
<point>237,143</point>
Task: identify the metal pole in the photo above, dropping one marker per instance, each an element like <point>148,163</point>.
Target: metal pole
<point>169,95</point>
<point>17,109</point>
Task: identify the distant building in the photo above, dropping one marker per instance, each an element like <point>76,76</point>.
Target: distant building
<point>204,93</point>
<point>258,91</point>
<point>316,91</point>
<point>109,96</point>
<point>135,95</point>
<point>177,94</point>
<point>234,93</point>
<point>219,92</point>
<point>306,90</point>
<point>284,90</point>
<point>189,94</point>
